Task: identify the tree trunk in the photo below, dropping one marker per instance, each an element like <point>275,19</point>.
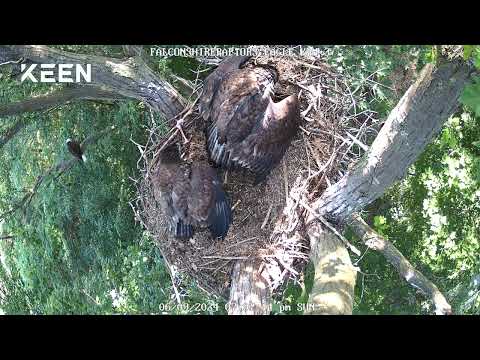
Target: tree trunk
<point>60,97</point>
<point>411,125</point>
<point>249,293</point>
<point>334,283</point>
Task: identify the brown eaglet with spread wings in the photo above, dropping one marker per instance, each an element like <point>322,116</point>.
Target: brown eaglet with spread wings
<point>248,129</point>
<point>189,191</point>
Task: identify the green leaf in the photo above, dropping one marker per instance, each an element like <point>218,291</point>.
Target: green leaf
<point>476,144</point>
<point>471,96</point>
<point>477,60</point>
<point>467,51</point>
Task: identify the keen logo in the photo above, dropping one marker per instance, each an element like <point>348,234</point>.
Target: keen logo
<point>57,73</point>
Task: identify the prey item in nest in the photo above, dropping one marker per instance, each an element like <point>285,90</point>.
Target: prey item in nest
<point>248,130</point>
<point>189,192</point>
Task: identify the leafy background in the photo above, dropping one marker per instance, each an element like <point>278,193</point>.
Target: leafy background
<point>77,249</point>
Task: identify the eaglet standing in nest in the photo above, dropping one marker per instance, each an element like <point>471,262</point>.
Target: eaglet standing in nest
<point>189,192</point>
<point>247,129</point>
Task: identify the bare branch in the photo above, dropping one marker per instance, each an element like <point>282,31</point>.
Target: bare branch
<point>402,265</point>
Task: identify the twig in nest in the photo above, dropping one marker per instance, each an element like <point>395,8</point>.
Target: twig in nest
<point>358,142</point>
<point>236,204</point>
<point>285,178</point>
<point>267,216</point>
<point>241,242</point>
<point>172,133</point>
<point>286,266</point>
<point>221,266</point>
<point>227,257</point>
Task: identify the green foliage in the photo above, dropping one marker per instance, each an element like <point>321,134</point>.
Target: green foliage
<point>295,296</point>
<point>472,51</point>
<point>471,96</point>
<point>76,247</point>
<point>432,218</point>
<point>373,65</point>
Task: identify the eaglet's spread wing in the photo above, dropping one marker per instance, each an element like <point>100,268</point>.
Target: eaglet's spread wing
<point>191,196</point>
<point>248,130</point>
<point>213,81</point>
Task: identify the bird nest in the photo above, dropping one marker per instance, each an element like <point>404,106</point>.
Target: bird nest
<point>267,219</point>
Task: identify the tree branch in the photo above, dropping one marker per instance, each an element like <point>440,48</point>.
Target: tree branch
<point>130,77</point>
<point>335,276</point>
<point>402,265</point>
<point>133,50</point>
<point>56,98</point>
<point>249,293</point>
<point>44,102</point>
<point>411,125</point>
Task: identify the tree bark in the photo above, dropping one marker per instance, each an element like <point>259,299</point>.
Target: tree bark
<point>249,292</point>
<point>335,276</point>
<point>411,125</point>
<point>128,77</point>
<point>57,98</point>
<point>405,269</point>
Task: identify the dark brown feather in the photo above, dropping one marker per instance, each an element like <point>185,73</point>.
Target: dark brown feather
<point>190,195</point>
<point>213,80</point>
<point>248,130</point>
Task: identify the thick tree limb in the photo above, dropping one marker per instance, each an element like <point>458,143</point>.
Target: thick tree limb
<point>411,125</point>
<point>48,101</point>
<point>405,269</point>
<point>249,293</point>
<point>334,283</point>
<point>133,50</point>
<point>128,77</point>
<point>60,97</point>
